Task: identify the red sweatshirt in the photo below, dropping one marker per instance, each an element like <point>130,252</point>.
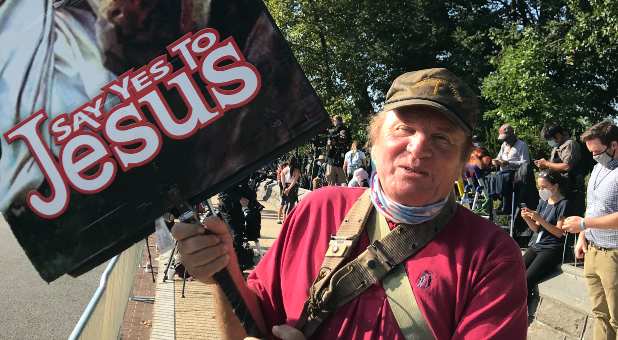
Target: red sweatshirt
<point>469,282</point>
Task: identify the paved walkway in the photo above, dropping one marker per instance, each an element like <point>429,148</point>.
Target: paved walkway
<point>193,317</point>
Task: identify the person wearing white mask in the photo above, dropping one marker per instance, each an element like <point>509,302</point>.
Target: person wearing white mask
<point>598,229</point>
<point>545,249</point>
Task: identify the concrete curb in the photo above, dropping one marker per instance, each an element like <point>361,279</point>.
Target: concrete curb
<point>563,311</point>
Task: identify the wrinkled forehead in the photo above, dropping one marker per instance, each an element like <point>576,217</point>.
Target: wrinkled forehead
<point>424,118</point>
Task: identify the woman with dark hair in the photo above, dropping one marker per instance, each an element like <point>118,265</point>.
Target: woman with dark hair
<point>290,177</point>
<point>545,249</point>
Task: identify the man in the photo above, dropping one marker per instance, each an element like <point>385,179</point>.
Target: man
<point>513,154</point>
<point>239,207</point>
<point>599,241</point>
<point>354,159</point>
<point>318,171</point>
<point>565,158</point>
<point>468,281</point>
<point>335,151</point>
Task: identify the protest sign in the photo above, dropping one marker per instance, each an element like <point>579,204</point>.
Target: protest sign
<point>111,110</point>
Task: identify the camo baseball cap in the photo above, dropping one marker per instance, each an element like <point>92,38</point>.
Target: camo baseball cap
<point>439,89</point>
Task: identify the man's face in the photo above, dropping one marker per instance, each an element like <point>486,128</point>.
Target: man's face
<point>596,147</point>
<point>559,138</point>
<point>418,155</point>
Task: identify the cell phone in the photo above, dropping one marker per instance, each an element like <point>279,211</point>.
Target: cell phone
<point>188,217</point>
<point>523,205</point>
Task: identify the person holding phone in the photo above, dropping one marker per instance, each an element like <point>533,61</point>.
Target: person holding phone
<point>513,154</point>
<point>545,249</point>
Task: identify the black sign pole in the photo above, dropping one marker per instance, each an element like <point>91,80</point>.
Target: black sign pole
<point>223,277</point>
<point>150,259</point>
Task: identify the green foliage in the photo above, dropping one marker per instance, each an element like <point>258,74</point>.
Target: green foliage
<point>351,50</point>
<point>533,62</point>
<point>562,72</point>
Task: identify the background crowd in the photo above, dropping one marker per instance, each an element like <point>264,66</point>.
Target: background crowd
<point>535,195</point>
<point>545,68</point>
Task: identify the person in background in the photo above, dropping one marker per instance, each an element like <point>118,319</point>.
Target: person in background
<point>290,177</point>
<point>477,167</point>
<point>598,230</point>
<point>280,168</point>
<point>513,154</point>
<point>354,159</point>
<point>544,253</point>
<point>566,158</point>
<point>318,174</point>
<point>336,146</point>
<point>237,205</point>
<point>360,178</point>
<point>479,163</point>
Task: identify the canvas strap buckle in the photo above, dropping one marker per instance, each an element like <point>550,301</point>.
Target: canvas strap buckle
<point>380,256</point>
<point>316,307</point>
<point>339,246</point>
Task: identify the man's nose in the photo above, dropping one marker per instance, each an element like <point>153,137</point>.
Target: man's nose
<point>419,146</point>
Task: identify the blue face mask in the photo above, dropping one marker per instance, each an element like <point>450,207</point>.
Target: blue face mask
<point>552,143</point>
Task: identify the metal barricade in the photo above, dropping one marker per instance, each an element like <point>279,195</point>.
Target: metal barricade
<point>102,317</point>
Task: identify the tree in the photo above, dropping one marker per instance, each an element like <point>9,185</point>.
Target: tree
<point>563,71</point>
<point>532,60</point>
<point>351,50</point>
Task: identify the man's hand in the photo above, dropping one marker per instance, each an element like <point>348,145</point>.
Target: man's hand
<point>571,224</point>
<point>204,254</point>
<point>284,332</point>
<point>541,163</point>
<point>581,248</point>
